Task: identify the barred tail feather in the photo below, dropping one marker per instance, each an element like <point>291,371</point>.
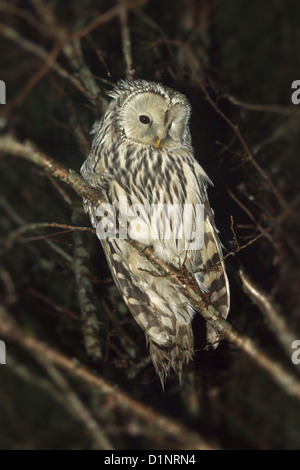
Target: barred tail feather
<point>174,355</point>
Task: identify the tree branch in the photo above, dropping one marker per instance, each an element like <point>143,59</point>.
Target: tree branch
<point>10,146</point>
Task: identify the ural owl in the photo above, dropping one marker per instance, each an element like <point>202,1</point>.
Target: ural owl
<point>142,154</point>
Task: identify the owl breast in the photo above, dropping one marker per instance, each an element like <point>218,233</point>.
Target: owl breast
<point>164,183</point>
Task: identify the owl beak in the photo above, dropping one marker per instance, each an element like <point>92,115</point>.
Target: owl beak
<point>157,143</point>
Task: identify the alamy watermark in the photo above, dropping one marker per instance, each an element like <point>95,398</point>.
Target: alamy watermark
<point>295,97</point>
<point>2,352</point>
<point>296,354</point>
<point>152,222</point>
<point>2,92</point>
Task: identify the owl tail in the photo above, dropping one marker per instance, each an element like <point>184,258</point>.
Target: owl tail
<point>173,355</point>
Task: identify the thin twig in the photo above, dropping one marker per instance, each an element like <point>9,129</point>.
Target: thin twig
<point>13,237</point>
<point>60,190</point>
<point>53,305</point>
<point>234,234</point>
<point>10,146</point>
<point>268,108</point>
<point>245,209</point>
<point>19,221</point>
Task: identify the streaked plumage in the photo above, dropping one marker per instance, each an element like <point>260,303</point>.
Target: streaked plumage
<point>151,163</point>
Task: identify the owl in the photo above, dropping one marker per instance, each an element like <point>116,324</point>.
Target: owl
<point>142,156</point>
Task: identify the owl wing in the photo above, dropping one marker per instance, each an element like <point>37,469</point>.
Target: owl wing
<point>210,271</point>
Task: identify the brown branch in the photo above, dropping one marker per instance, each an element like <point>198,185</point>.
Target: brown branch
<point>52,304</point>
<point>238,248</point>
<point>245,209</point>
<point>119,399</point>
<point>60,190</point>
<point>14,236</point>
<point>19,221</point>
<point>10,146</point>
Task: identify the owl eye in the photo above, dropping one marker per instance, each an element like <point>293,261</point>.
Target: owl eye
<point>144,119</point>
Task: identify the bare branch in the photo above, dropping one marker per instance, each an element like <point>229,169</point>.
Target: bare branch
<point>267,108</point>
<point>10,146</point>
<point>14,237</point>
<point>10,239</point>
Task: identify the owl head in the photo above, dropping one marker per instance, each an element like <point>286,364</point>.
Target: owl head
<point>151,114</point>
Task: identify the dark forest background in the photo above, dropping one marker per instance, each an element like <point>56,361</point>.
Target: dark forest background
<point>236,61</point>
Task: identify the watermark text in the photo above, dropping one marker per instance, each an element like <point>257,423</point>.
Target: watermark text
<point>2,92</point>
<point>2,352</point>
<point>152,222</point>
<point>296,94</point>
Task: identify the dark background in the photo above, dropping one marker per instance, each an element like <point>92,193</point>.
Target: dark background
<point>234,48</point>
